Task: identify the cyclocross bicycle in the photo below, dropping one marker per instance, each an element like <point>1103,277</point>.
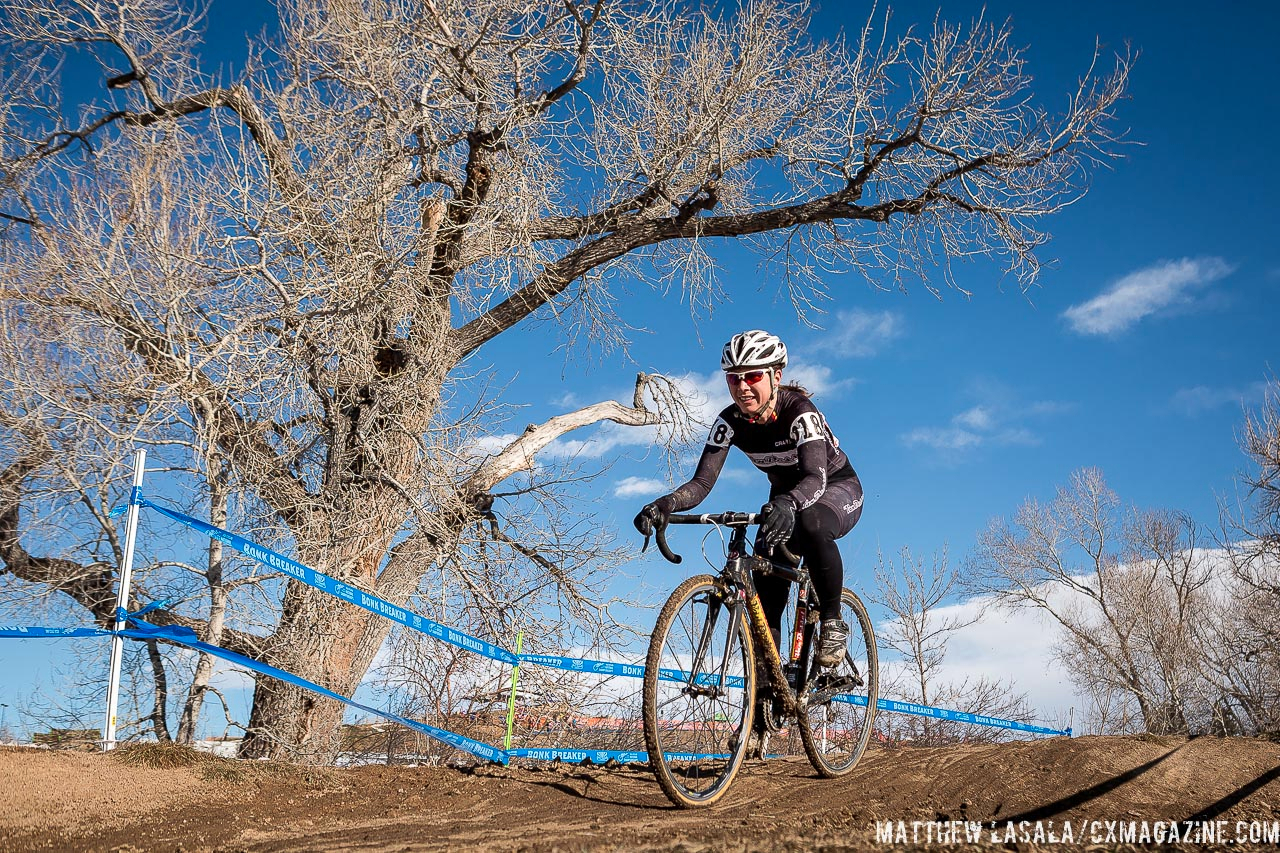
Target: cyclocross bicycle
<point>713,666</point>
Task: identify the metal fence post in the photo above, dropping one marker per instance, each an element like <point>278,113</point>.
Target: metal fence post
<point>122,602</point>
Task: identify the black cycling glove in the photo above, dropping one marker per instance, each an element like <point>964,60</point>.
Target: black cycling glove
<point>779,519</point>
<point>653,515</point>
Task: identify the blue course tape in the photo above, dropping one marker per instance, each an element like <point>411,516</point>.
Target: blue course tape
<point>186,637</point>
<point>122,615</point>
<point>334,587</point>
<point>596,756</point>
<point>575,664</point>
<point>679,675</point>
<point>601,667</point>
<point>20,632</point>
<point>600,756</point>
<point>943,714</point>
<point>632,670</point>
<point>373,604</point>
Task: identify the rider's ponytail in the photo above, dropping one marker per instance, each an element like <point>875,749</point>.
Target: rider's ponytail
<point>797,387</point>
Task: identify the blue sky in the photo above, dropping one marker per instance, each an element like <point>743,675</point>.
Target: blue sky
<point>1133,354</point>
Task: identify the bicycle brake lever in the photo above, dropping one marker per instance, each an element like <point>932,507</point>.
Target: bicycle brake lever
<point>660,535</point>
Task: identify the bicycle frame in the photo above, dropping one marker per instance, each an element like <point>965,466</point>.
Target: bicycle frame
<point>749,675</point>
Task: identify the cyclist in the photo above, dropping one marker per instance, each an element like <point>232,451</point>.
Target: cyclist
<point>815,496</point>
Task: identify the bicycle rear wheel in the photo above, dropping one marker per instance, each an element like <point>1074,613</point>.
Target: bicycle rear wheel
<point>840,701</point>
<point>698,687</point>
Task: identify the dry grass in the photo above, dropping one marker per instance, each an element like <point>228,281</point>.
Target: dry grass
<point>213,768</point>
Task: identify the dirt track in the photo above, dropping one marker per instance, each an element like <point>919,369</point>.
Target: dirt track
<point>81,801</point>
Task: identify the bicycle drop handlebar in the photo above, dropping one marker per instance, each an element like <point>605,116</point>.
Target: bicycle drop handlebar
<point>728,519</point>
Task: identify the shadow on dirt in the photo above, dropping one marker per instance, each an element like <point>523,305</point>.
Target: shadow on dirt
<point>1216,810</point>
<point>567,785</point>
<point>1093,792</point>
<point>57,801</point>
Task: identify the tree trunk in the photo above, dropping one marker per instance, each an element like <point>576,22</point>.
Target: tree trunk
<point>188,724</point>
<point>160,695</point>
<point>329,643</point>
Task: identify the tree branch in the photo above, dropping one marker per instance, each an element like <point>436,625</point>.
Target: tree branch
<point>557,276</point>
<point>519,454</point>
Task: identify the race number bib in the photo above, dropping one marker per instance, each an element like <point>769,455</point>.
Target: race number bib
<point>721,434</point>
<point>808,427</point>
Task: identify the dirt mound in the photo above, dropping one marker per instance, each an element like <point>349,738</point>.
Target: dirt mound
<point>1089,792</point>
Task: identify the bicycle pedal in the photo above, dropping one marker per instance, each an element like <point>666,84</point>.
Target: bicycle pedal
<point>831,680</point>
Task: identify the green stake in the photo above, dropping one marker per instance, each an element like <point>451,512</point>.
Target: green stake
<point>511,703</point>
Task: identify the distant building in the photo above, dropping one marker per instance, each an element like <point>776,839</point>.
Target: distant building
<point>223,747</point>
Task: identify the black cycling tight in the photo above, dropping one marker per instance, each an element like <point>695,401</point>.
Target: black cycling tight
<point>817,529</point>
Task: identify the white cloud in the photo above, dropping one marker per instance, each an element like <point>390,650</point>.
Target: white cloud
<point>630,487</point>
<point>605,439</point>
<point>1048,408</point>
<point>817,379</point>
<point>1019,645</point>
<point>979,417</point>
<point>489,445</point>
<point>863,333</point>
<point>741,475</point>
<point>1017,435</point>
<point>1144,292</point>
<point>942,438</point>
<point>1016,647</point>
<point>569,400</point>
<point>1201,398</point>
<point>998,422</point>
<point>708,393</point>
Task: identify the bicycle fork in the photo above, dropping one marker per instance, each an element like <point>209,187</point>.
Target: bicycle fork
<point>715,681</point>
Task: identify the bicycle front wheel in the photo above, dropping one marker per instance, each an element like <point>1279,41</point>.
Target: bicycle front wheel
<point>840,701</point>
<point>698,687</point>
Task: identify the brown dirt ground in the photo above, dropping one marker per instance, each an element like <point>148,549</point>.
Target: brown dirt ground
<point>84,801</point>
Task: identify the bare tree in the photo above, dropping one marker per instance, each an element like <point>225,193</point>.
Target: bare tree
<point>67,447</point>
<point>296,267</point>
<point>1132,592</point>
<point>1260,441</point>
<point>1245,643</point>
<point>916,596</point>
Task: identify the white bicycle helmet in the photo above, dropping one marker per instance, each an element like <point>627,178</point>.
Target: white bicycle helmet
<point>756,348</point>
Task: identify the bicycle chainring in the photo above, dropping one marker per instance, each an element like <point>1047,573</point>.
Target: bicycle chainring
<point>771,714</point>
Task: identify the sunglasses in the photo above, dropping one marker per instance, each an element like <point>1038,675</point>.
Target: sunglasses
<point>751,377</point>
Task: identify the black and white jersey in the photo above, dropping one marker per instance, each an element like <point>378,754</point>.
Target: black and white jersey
<point>796,450</point>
